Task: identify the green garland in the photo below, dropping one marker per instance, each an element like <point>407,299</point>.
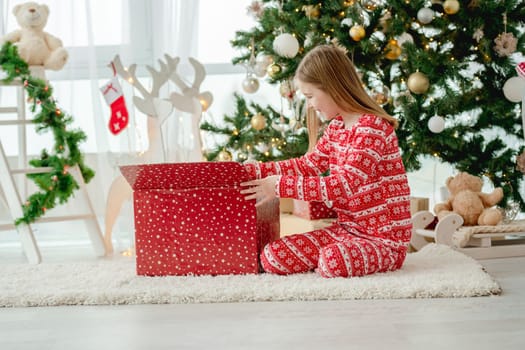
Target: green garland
<point>56,186</point>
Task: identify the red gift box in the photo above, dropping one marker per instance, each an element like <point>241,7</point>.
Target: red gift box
<point>191,219</point>
<point>312,210</point>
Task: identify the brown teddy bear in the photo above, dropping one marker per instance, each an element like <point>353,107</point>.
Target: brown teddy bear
<point>467,200</point>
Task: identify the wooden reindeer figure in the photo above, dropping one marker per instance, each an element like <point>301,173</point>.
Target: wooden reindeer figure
<point>157,110</point>
<point>189,100</point>
<point>192,101</point>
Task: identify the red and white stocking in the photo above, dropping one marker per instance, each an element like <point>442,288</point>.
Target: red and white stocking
<point>112,93</point>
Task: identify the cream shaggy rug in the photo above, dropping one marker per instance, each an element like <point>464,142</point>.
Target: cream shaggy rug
<point>435,271</point>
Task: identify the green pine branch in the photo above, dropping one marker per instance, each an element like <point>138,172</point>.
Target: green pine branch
<point>58,185</point>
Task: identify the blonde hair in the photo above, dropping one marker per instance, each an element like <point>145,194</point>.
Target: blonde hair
<point>329,69</point>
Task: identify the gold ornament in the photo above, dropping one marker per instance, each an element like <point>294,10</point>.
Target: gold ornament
<point>224,156</point>
<point>311,11</point>
<point>273,69</point>
<point>258,122</point>
<point>357,32</point>
<point>418,83</point>
<point>393,50</point>
<point>451,7</point>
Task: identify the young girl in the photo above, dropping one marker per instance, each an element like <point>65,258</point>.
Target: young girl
<point>367,183</point>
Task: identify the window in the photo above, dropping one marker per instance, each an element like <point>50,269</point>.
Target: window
<point>218,22</point>
<point>94,31</point>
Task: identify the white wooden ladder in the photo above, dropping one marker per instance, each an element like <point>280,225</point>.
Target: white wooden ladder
<point>13,194</point>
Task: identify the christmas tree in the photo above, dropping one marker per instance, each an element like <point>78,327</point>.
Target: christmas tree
<point>445,69</point>
<point>257,133</point>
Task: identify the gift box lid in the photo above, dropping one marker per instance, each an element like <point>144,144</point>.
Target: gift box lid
<point>184,175</point>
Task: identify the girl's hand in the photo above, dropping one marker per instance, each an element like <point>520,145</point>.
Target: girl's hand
<point>262,190</point>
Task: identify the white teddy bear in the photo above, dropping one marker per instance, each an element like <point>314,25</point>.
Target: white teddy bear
<point>36,47</point>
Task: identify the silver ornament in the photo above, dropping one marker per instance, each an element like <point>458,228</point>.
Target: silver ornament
<point>250,84</point>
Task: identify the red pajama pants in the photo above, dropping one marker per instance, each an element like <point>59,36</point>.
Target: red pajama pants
<point>332,252</point>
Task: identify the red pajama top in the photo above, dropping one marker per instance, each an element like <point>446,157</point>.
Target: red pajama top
<point>367,184</point>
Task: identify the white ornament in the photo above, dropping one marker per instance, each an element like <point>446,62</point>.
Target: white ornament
<point>347,22</point>
<point>259,69</point>
<point>425,15</point>
<point>262,62</point>
<point>436,124</point>
<point>281,126</point>
<point>286,45</point>
<point>514,89</point>
<point>250,84</point>
<point>405,38</point>
<point>265,60</point>
<point>309,39</point>
<point>262,147</point>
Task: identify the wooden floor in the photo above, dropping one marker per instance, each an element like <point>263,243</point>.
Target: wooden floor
<point>493,323</point>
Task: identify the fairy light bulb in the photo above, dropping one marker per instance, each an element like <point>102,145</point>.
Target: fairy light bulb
<point>204,104</point>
